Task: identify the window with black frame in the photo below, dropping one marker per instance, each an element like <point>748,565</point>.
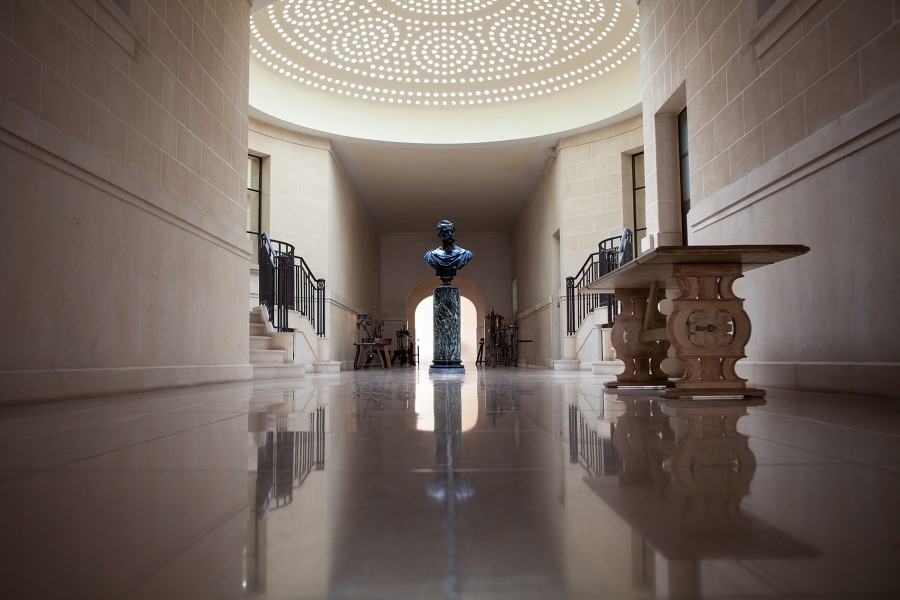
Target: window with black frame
<point>254,201</point>
<point>685,173</point>
<point>638,201</point>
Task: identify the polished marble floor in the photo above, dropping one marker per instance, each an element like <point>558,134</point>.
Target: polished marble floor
<point>509,483</point>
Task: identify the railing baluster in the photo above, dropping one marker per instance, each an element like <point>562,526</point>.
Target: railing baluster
<point>320,306</point>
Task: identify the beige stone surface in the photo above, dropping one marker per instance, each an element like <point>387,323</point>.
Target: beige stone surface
<point>835,94</point>
<point>803,161</point>
<point>123,220</point>
<point>880,62</point>
<point>308,202</point>
<point>784,128</point>
<point>746,153</point>
<point>583,198</point>
<point>124,143</point>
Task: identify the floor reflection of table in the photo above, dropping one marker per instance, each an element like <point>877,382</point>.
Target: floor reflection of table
<point>686,471</point>
<point>706,324</point>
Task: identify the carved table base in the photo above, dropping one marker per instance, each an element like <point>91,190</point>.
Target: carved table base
<point>708,329</point>
<point>641,353</point>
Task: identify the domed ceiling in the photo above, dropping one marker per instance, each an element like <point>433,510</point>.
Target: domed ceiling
<point>443,52</point>
<point>431,101</point>
<point>455,71</point>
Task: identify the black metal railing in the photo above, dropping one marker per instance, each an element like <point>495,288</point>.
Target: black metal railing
<point>611,254</point>
<point>597,454</point>
<point>309,295</point>
<point>284,461</point>
<point>287,283</point>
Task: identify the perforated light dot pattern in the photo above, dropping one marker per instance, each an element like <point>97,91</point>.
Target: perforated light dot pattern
<point>441,53</point>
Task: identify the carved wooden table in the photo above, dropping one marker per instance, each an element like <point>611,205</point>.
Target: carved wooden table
<point>706,324</point>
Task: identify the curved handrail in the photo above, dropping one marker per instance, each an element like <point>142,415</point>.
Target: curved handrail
<point>286,282</point>
<point>612,253</point>
<point>266,244</point>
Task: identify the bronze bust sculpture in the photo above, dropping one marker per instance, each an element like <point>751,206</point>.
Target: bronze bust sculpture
<point>449,258</point>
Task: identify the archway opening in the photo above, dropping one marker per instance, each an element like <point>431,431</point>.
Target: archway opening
<point>424,323</point>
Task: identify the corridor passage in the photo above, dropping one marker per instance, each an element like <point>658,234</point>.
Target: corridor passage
<point>505,484</point>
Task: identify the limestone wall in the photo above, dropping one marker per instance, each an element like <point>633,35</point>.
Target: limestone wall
<point>792,120</point>
<point>595,191</point>
<point>296,190</point>
<point>536,270</point>
<point>308,202</point>
<point>123,148</point>
<point>583,197</point>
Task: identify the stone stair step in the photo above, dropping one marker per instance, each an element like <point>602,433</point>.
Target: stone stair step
<point>257,329</point>
<point>267,357</point>
<point>279,371</point>
<point>261,342</point>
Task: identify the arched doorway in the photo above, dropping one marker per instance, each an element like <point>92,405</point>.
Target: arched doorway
<point>424,328</point>
<point>424,289</point>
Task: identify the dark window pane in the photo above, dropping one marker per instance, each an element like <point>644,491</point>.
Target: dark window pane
<point>639,201</point>
<point>639,170</point>
<point>640,204</point>
<point>682,133</point>
<point>685,173</point>
<point>254,200</point>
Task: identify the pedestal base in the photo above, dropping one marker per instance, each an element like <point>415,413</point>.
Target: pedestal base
<point>446,370</point>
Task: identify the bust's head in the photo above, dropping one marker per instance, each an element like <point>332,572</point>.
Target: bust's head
<point>445,232</point>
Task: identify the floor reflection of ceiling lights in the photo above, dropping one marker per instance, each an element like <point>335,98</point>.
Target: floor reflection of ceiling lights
<point>443,52</point>
<point>462,490</point>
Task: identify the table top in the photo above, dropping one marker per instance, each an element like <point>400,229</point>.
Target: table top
<point>657,265</point>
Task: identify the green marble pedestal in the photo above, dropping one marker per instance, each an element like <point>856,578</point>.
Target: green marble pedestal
<point>446,332</point>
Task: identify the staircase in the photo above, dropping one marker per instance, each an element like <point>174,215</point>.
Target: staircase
<point>269,362</point>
